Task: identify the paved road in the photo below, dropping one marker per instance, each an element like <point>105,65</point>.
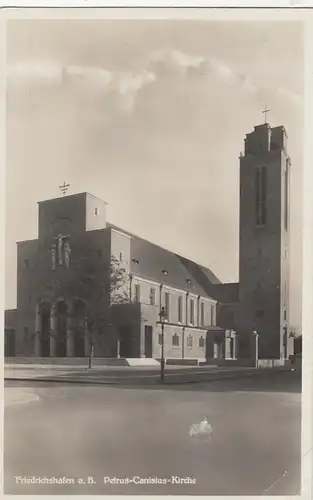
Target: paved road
<point>76,431</point>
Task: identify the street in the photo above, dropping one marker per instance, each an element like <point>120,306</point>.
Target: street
<point>117,432</point>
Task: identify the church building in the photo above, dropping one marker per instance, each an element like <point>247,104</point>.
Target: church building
<point>86,284</point>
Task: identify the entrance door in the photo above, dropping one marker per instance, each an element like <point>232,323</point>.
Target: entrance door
<point>125,342</point>
<point>148,341</point>
<point>61,332</point>
<point>45,330</point>
<point>218,349</point>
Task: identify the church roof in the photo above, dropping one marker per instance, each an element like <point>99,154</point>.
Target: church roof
<point>150,261</point>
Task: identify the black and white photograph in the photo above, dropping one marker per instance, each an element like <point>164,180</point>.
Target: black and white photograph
<point>153,253</point>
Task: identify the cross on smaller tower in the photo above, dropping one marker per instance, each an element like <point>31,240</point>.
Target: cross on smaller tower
<point>64,188</point>
<point>265,111</point>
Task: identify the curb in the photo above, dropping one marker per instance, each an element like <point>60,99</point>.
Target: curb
<point>147,384</point>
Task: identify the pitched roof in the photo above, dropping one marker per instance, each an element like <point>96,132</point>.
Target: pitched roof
<point>151,260</point>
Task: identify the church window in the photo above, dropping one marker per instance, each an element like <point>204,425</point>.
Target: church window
<point>286,197</point>
<point>180,309</point>
<point>202,313</point>
<point>192,312</point>
<point>175,340</point>
<point>260,198</point>
<point>189,341</point>
<point>201,342</point>
<point>212,315</point>
<point>152,296</point>
<point>167,304</point>
<point>137,293</point>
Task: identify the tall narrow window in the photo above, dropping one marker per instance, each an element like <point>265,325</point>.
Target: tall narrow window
<point>202,314</point>
<point>260,195</point>
<point>286,197</point>
<point>180,309</point>
<point>137,293</point>
<point>212,315</point>
<point>152,296</point>
<point>167,304</point>
<point>192,312</point>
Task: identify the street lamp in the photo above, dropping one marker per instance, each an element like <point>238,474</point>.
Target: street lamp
<point>162,318</point>
<point>256,336</point>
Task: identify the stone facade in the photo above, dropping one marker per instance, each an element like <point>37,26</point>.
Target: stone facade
<point>66,272</point>
<point>264,241</point>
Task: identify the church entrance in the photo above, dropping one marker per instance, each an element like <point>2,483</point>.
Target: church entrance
<point>78,328</point>
<point>44,333</point>
<point>61,330</point>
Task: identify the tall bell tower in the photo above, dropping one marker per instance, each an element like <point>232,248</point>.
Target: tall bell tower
<point>264,240</point>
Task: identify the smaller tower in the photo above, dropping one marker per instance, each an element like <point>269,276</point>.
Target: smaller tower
<point>264,240</point>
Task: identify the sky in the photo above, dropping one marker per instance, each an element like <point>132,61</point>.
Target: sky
<point>150,116</point>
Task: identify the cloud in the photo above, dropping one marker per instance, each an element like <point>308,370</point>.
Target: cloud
<point>125,87</point>
<point>34,69</point>
<point>174,59</point>
<point>130,84</point>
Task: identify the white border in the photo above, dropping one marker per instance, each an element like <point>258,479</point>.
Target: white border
<point>225,14</point>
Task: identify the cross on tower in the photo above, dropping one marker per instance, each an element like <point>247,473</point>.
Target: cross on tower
<point>265,111</point>
<point>64,188</point>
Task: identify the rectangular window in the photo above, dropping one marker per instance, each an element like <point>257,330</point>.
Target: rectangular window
<point>160,338</point>
<point>180,309</point>
<point>26,263</point>
<point>201,342</point>
<point>96,211</point>
<point>152,296</point>
<point>286,196</point>
<point>167,304</point>
<point>202,314</point>
<point>285,315</point>
<point>260,195</point>
<point>121,257</point>
<point>192,312</point>
<point>137,293</point>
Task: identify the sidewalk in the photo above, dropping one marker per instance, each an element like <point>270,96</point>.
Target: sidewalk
<point>130,376</point>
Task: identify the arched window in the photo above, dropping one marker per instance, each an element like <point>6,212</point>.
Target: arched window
<point>175,340</point>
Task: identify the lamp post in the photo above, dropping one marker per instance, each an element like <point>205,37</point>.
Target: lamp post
<point>256,336</point>
<point>162,318</point>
